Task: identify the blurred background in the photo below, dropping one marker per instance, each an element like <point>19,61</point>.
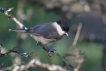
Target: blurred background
<point>91,43</point>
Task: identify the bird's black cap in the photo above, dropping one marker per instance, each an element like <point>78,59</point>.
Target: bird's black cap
<point>63,25</point>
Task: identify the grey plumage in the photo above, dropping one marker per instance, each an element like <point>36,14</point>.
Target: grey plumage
<point>47,32</point>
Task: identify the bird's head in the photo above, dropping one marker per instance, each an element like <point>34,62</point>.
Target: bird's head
<point>64,26</point>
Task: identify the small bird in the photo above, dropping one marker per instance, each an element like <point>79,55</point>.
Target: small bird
<point>48,32</point>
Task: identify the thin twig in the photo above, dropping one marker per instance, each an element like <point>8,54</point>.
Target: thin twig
<point>6,12</point>
<point>77,34</point>
<point>77,53</point>
<point>16,50</point>
<point>23,27</point>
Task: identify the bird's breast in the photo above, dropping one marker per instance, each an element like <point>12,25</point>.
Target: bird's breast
<point>42,39</point>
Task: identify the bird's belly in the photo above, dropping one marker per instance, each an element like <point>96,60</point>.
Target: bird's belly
<point>43,40</point>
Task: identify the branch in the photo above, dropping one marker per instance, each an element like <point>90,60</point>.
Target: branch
<point>6,12</point>
<point>77,35</point>
<point>34,63</point>
<point>15,50</point>
<point>38,63</point>
<point>77,53</point>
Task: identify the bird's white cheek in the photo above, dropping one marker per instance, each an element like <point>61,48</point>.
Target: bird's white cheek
<point>59,29</point>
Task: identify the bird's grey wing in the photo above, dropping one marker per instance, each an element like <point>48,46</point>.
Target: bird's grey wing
<point>45,30</point>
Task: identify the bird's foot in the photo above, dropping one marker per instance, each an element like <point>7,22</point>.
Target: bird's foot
<point>52,50</point>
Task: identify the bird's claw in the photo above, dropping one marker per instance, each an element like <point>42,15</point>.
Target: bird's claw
<point>51,51</point>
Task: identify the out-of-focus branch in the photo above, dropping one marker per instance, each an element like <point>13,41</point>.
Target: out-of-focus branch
<point>79,60</point>
<point>16,62</point>
<point>38,63</point>
<point>6,12</point>
<point>77,35</point>
<point>34,63</point>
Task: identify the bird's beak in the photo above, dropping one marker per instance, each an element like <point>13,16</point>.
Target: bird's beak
<point>66,34</point>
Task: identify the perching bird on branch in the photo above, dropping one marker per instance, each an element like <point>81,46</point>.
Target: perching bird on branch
<point>48,32</point>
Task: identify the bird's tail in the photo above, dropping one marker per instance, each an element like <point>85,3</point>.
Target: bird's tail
<point>18,30</point>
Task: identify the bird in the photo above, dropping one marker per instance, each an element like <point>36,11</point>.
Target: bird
<point>47,32</point>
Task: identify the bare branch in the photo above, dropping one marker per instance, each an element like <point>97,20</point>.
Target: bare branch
<point>77,35</point>
<point>34,63</point>
<point>79,59</point>
<point>15,50</point>
<point>38,63</point>
<point>6,12</point>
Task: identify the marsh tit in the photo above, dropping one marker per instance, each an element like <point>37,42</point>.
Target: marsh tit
<point>48,32</point>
